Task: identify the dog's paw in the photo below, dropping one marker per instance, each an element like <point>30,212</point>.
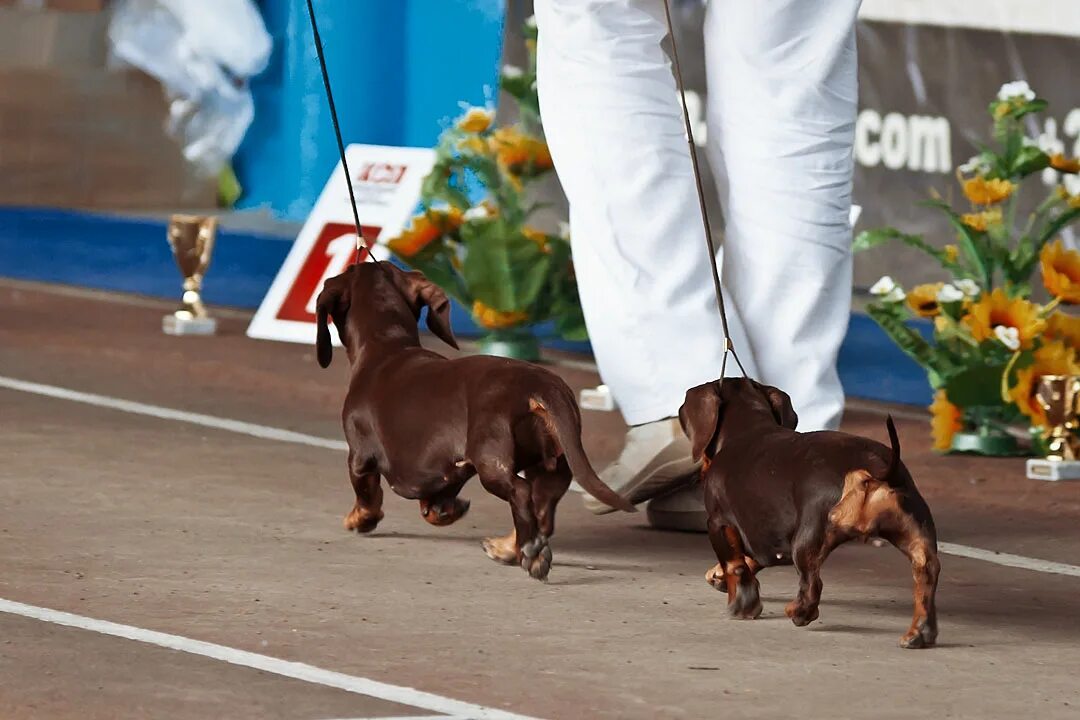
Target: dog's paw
<point>715,577</point>
<point>445,513</point>
<point>536,557</point>
<point>801,616</point>
<point>362,521</point>
<point>502,549</point>
<point>919,637</point>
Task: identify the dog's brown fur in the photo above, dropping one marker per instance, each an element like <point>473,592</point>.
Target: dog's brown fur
<point>778,497</point>
<point>428,424</point>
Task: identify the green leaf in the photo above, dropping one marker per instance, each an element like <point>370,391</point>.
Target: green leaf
<point>910,341</point>
<point>1029,160</point>
<point>969,242</point>
<point>872,238</point>
<point>502,268</point>
<point>976,386</point>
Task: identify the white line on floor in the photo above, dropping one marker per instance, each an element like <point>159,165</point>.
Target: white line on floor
<point>164,413</point>
<point>298,671</point>
<point>269,433</point>
<point>1009,560</point>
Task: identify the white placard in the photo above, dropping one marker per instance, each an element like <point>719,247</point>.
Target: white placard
<point>387,183</point>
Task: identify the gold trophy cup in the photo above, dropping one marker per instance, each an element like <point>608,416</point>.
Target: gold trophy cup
<point>1059,397</point>
<point>192,240</point>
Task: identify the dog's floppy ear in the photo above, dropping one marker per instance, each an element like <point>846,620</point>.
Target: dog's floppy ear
<point>330,304</point>
<point>699,417</point>
<point>781,407</point>
<point>420,291</point>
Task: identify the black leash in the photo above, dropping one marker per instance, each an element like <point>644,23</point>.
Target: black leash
<point>361,244</point>
<point>729,346</point>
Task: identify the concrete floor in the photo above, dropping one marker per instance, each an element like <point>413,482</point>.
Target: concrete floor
<point>237,541</point>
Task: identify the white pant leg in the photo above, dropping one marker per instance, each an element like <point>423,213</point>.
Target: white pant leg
<point>615,129</point>
<point>783,89</point>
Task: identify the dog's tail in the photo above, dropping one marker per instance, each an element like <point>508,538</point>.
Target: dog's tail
<point>562,419</point>
<point>891,478</point>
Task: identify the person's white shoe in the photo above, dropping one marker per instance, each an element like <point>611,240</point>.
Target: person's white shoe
<point>656,456</point>
<point>682,509</point>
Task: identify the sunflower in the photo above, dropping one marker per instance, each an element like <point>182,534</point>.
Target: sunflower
<point>1053,358</point>
<point>981,191</point>
<point>474,144</point>
<point>493,319</point>
<point>1062,164</point>
<point>982,220</point>
<point>923,299</point>
<point>424,229</point>
<point>1061,272</point>
<point>519,152</point>
<point>476,120</point>
<point>1064,327</point>
<point>997,308</point>
<point>945,421</point>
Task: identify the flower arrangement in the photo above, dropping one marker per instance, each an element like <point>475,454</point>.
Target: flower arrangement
<point>484,253</point>
<point>991,338</point>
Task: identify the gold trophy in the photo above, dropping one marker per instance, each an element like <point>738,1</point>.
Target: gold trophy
<point>192,241</point>
<point>1059,397</point>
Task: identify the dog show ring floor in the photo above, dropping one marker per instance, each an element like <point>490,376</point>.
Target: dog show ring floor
<point>171,546</point>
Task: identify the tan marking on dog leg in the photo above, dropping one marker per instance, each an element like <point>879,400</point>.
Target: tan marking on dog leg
<point>925,568</point>
<point>362,520</point>
<point>715,577</point>
<point>502,549</point>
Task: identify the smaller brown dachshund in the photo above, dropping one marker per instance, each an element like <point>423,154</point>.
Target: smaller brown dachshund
<point>428,424</point>
<point>778,497</point>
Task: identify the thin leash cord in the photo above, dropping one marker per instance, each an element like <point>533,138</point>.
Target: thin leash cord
<point>361,244</point>
<point>729,346</point>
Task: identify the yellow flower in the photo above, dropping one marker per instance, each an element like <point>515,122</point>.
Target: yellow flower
<point>474,144</point>
<point>1064,327</point>
<point>1002,110</point>
<point>424,229</point>
<point>1060,163</point>
<point>493,319</point>
<point>923,299</point>
<point>982,220</point>
<point>997,308</point>
<point>945,421</point>
<point>1072,200</point>
<point>1061,272</point>
<point>941,323</point>
<point>476,120</point>
<point>1053,358</point>
<point>952,253</point>
<point>537,236</point>
<point>981,191</point>
<point>519,152</point>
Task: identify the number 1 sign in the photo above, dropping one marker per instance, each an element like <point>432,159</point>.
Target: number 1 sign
<point>387,184</point>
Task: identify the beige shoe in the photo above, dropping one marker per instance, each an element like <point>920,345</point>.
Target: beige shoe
<point>682,509</point>
<point>656,456</point>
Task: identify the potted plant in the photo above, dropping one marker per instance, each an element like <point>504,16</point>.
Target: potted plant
<point>473,235</point>
<point>991,338</point>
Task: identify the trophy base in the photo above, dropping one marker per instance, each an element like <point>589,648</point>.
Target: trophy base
<point>173,325</point>
<point>1053,470</point>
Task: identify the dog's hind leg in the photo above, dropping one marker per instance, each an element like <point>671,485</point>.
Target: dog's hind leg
<point>737,574</point>
<point>918,543</point>
<point>367,484</point>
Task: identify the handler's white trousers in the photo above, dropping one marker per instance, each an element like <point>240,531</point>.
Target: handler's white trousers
<point>782,103</point>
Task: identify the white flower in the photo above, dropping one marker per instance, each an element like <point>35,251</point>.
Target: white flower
<point>564,230</point>
<point>1071,183</point>
<point>1030,142</point>
<point>977,165</point>
<point>1016,88</point>
<point>530,22</point>
<point>887,289</point>
<point>512,71</point>
<point>1009,336</point>
<point>968,287</point>
<point>479,212</point>
<point>950,293</point>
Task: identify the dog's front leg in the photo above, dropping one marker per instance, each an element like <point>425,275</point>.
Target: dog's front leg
<point>367,511</point>
<point>736,574</point>
<point>809,549</point>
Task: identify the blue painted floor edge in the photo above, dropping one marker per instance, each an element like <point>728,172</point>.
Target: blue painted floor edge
<point>110,252</point>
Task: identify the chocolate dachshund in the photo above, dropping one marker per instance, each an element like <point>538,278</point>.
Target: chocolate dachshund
<point>428,424</point>
<point>778,497</point>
